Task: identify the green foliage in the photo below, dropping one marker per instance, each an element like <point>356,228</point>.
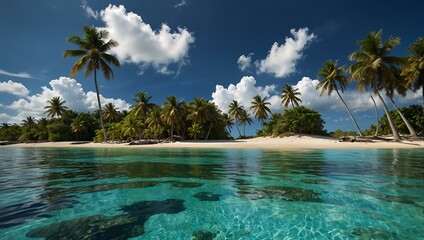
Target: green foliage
<point>59,131</point>
<point>340,133</point>
<point>413,113</point>
<point>298,120</point>
<point>10,132</point>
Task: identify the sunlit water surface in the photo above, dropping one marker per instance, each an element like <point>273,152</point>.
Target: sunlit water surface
<point>211,194</point>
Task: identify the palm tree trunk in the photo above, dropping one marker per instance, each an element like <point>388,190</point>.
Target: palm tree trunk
<point>350,113</point>
<point>100,106</point>
<point>209,131</point>
<point>396,136</point>
<point>408,125</point>
<point>238,129</point>
<point>376,116</point>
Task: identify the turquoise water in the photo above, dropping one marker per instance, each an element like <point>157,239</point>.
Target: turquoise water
<point>211,194</point>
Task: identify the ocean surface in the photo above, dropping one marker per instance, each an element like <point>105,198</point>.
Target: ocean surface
<point>211,194</point>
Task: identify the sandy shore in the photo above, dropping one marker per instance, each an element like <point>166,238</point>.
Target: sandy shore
<point>293,142</point>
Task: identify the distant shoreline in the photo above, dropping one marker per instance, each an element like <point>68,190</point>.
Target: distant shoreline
<point>285,143</point>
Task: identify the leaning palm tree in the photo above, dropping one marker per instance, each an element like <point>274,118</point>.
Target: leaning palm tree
<point>56,107</point>
<point>228,121</point>
<point>93,55</point>
<point>414,68</point>
<point>173,114</point>
<point>334,79</point>
<point>260,108</point>
<point>29,123</point>
<point>110,112</point>
<point>373,68</point>
<point>235,110</point>
<point>289,95</point>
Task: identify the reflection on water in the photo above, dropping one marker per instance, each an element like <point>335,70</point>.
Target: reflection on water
<point>37,184</point>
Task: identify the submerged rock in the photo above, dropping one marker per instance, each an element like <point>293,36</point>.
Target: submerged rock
<point>92,227</point>
<point>128,225</point>
<point>203,235</point>
<point>280,192</point>
<point>185,184</point>
<point>207,196</point>
<point>373,233</point>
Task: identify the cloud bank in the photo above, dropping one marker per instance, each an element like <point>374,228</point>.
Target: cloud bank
<point>68,89</point>
<point>246,89</point>
<point>140,44</point>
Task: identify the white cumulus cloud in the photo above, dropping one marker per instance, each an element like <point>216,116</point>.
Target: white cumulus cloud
<point>140,44</point>
<point>281,60</point>
<point>13,88</point>
<point>67,89</point>
<point>244,62</point>
<point>243,92</point>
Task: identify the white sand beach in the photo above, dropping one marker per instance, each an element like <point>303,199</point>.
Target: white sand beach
<point>292,142</point>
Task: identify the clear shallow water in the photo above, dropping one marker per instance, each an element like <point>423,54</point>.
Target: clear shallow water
<point>225,194</point>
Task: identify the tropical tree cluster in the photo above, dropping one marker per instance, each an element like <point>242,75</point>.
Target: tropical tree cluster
<point>375,69</point>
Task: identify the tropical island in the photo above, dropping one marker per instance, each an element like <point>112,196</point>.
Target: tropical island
<point>373,69</point>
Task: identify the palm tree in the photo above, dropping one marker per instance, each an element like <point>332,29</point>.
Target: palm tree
<point>374,68</point>
<point>42,132</point>
<point>245,119</point>
<point>173,113</point>
<point>154,121</point>
<point>93,55</point>
<point>28,123</point>
<point>198,111</point>
<point>143,104</point>
<point>132,126</point>
<point>56,107</point>
<point>334,79</point>
<point>289,95</point>
<point>110,112</point>
<point>77,126</point>
<point>235,110</point>
<point>195,130</point>
<point>414,69</point>
<point>228,121</point>
<point>260,108</point>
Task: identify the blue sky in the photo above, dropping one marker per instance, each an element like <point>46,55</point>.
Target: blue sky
<point>219,50</point>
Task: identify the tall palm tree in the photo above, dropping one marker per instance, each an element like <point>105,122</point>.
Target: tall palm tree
<point>334,79</point>
<point>110,112</point>
<point>289,95</point>
<point>143,104</point>
<point>373,68</point>
<point>77,126</point>
<point>235,110</point>
<point>56,107</point>
<point>414,68</point>
<point>245,119</point>
<point>93,55</point>
<point>173,114</point>
<point>260,108</point>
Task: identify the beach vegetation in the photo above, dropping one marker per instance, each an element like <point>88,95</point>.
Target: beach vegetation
<point>235,111</point>
<point>93,55</point>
